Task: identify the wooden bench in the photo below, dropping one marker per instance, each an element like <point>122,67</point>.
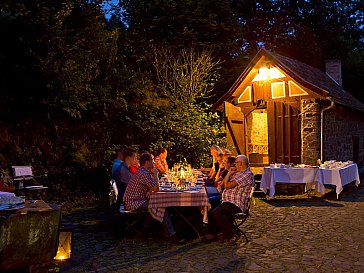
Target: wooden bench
<point>24,182</point>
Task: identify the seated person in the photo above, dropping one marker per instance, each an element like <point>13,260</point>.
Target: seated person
<point>228,163</point>
<point>215,195</point>
<point>117,161</point>
<point>210,181</point>
<point>123,173</point>
<point>220,160</point>
<point>237,186</point>
<point>141,185</point>
<point>134,167</point>
<point>215,151</point>
<point>160,162</point>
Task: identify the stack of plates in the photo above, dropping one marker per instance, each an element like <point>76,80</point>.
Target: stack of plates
<point>11,202</point>
<point>11,207</point>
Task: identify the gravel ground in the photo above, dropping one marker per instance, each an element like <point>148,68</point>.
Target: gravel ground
<point>287,234</point>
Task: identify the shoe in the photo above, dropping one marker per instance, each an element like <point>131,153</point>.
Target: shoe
<point>221,237</point>
<point>175,240</point>
<point>211,237</point>
<point>233,240</point>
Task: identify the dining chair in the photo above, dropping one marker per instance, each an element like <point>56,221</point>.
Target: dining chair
<point>240,218</point>
<point>131,221</point>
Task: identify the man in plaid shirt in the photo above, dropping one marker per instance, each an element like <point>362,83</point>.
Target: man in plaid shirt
<point>139,188</point>
<point>237,186</point>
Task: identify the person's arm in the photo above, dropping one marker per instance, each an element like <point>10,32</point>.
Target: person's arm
<point>155,183</point>
<point>165,165</point>
<point>244,179</point>
<point>220,187</point>
<point>151,181</point>
<point>218,180</point>
<point>230,184</point>
<point>212,172</point>
<point>125,175</point>
<point>155,176</point>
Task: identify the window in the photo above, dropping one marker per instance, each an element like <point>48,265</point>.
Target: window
<point>295,89</point>
<point>278,90</point>
<point>246,96</point>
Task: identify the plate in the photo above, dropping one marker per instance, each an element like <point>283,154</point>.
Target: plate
<point>35,187</point>
<point>168,189</point>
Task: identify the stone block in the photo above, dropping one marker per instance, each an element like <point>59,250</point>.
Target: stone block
<point>28,239</point>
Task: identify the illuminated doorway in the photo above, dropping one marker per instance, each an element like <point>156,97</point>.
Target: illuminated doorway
<point>257,139</point>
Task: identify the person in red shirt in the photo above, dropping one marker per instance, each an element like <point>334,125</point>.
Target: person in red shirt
<point>160,162</point>
<point>134,167</point>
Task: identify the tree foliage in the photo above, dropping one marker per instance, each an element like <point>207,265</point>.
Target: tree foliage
<point>74,84</point>
<point>185,76</point>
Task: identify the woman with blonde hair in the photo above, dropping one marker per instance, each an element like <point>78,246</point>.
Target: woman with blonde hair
<point>215,153</point>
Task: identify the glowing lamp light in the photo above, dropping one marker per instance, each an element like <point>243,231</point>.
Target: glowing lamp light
<point>266,73</point>
<point>65,242</point>
<point>182,174</point>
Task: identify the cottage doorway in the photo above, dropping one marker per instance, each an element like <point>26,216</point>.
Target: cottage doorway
<point>248,134</point>
<point>257,139</point>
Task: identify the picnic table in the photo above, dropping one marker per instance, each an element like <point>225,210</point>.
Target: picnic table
<point>169,197</point>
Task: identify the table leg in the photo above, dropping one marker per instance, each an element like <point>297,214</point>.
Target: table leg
<point>187,222</point>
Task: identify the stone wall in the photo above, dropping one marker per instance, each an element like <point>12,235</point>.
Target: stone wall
<point>341,125</point>
<point>310,131</point>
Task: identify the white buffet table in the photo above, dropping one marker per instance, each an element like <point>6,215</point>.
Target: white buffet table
<point>339,176</point>
<point>312,177</point>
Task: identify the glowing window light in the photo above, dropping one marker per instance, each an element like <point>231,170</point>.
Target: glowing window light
<point>246,95</point>
<point>265,74</point>
<point>274,73</point>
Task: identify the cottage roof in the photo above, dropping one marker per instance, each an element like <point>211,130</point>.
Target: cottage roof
<point>313,78</point>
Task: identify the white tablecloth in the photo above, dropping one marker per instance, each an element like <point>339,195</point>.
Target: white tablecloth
<point>4,193</point>
<point>311,176</point>
<point>271,176</point>
<point>340,176</point>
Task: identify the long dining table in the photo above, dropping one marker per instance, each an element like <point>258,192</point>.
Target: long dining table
<point>313,177</point>
<point>170,197</point>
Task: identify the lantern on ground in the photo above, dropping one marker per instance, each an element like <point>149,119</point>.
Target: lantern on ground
<point>65,243</point>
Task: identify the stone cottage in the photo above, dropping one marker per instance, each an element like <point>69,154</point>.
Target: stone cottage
<point>284,111</point>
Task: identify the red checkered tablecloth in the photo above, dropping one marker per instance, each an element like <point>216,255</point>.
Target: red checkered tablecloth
<point>159,201</point>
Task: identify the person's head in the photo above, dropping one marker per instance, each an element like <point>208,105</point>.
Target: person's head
<point>226,153</point>
<point>129,156</point>
<point>215,151</point>
<point>220,158</point>
<point>162,153</point>
<point>241,162</point>
<point>146,160</point>
<point>119,153</point>
<point>229,162</point>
